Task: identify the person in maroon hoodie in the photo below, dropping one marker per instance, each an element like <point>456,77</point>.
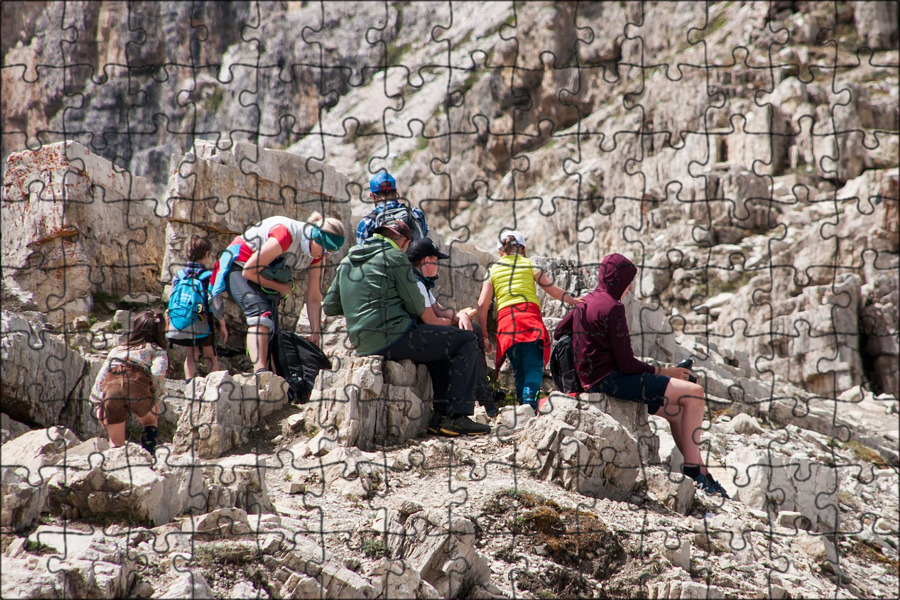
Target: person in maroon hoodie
<point>605,363</point>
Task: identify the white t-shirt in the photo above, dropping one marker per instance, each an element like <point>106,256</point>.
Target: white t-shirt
<point>426,293</point>
<point>293,236</point>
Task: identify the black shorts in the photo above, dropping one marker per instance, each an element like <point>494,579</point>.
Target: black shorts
<point>645,388</point>
<point>204,342</point>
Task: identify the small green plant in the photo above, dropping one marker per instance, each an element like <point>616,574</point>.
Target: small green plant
<point>865,453</point>
<point>288,477</point>
<point>215,99</point>
<point>374,548</point>
<point>38,548</point>
<point>92,319</point>
<point>115,326</point>
<point>216,555</point>
<point>106,300</point>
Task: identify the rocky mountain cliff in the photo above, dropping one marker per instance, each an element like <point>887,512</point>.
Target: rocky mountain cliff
<point>744,155</point>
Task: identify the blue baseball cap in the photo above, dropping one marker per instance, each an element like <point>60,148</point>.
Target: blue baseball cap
<point>382,182</point>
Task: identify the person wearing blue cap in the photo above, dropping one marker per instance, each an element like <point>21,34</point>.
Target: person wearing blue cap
<point>383,191</point>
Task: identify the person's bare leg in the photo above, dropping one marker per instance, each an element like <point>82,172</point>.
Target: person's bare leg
<point>151,419</point>
<point>258,346</point>
<point>190,361</point>
<point>684,408</point>
<point>116,433</point>
<point>212,360</point>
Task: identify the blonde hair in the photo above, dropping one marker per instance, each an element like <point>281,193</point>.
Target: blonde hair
<point>511,246</point>
<point>330,224</point>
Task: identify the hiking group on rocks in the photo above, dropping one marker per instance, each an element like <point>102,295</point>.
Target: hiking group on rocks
<point>384,290</point>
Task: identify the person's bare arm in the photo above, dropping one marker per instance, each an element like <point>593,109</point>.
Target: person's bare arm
<point>314,301</point>
<point>259,260</point>
<point>554,291</point>
<point>484,302</point>
<point>430,317</point>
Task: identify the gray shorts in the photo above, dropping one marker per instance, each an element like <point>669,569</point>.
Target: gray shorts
<point>258,306</point>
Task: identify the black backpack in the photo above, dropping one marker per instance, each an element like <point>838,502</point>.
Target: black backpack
<point>398,213</point>
<point>562,366</point>
<point>298,361</point>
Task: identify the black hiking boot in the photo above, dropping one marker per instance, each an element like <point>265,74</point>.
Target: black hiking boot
<point>462,425</point>
<point>710,485</point>
<point>434,425</point>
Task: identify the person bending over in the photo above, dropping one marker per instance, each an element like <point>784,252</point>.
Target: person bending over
<point>133,380</point>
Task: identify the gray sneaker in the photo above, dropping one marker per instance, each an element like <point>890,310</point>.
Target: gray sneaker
<point>462,426</point>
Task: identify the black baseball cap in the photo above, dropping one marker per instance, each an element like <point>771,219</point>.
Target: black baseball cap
<point>423,248</point>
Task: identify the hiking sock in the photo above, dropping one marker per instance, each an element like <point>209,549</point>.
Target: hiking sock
<point>148,439</point>
<point>692,472</point>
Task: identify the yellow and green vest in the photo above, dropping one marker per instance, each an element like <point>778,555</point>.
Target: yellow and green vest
<point>513,279</point>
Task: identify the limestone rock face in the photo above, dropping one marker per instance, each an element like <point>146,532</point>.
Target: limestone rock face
<point>103,568</point>
<point>880,325</point>
<point>773,482</point>
<point>351,472</point>
<point>221,410</point>
<point>877,23</point>
<point>366,401</point>
<point>220,523</point>
<point>25,469</point>
<point>191,584</point>
<point>22,501</point>
<point>10,428</point>
<point>442,551</point>
<point>220,193</point>
<point>29,354</point>
<point>399,581</point>
<point>119,481</point>
<point>36,449</point>
<point>237,481</point>
<point>75,239</point>
<point>583,448</point>
<point>302,556</point>
<point>670,488</point>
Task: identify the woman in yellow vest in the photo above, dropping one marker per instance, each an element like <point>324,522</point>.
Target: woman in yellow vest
<point>521,334</point>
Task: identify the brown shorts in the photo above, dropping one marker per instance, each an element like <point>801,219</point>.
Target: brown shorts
<point>127,387</point>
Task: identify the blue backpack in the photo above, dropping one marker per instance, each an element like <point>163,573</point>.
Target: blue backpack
<point>187,303</point>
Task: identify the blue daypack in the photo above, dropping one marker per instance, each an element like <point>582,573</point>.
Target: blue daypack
<point>187,303</point>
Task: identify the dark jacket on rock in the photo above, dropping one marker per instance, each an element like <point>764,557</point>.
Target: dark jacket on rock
<point>375,289</point>
<point>599,329</point>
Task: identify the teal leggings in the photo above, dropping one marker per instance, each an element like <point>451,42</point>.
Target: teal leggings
<point>527,359</point>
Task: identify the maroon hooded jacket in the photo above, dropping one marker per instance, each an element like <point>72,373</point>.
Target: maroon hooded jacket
<point>599,329</point>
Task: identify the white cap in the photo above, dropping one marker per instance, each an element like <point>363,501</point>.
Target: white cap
<point>520,239</point>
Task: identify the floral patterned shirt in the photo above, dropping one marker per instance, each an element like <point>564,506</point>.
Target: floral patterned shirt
<point>149,356</point>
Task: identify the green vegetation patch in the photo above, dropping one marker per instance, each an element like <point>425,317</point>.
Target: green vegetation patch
<point>570,537</point>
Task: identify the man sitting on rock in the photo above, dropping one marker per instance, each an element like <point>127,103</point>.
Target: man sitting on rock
<point>424,256</point>
<point>605,363</point>
<point>375,289</point>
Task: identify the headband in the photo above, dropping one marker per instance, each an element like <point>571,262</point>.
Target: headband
<point>330,241</point>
